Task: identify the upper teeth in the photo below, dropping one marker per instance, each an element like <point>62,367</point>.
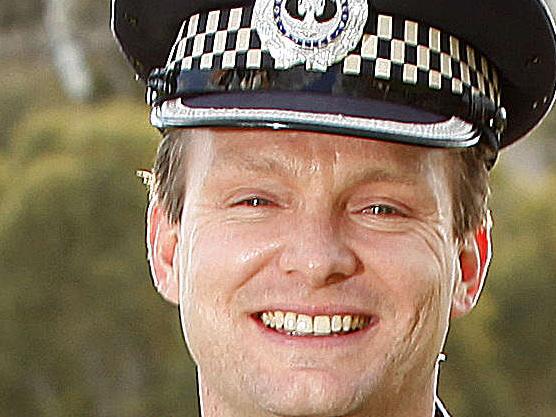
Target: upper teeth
<point>322,325</point>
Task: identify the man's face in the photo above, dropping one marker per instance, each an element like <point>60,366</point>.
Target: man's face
<point>314,225</point>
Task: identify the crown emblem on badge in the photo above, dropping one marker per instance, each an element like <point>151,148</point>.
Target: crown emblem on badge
<point>317,33</point>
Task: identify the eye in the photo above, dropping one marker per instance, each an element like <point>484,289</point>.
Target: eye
<point>381,210</point>
<point>254,202</point>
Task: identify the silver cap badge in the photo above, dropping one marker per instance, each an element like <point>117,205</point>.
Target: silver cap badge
<point>321,33</point>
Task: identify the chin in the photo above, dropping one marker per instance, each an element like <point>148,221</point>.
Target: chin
<point>310,393</point>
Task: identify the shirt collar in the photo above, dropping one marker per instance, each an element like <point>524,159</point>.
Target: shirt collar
<point>440,410</point>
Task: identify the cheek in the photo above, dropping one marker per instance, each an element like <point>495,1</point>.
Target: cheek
<point>220,260</point>
<point>414,272</point>
<point>413,277</point>
<point>218,266</point>
<point>225,257</point>
<point>419,260</point>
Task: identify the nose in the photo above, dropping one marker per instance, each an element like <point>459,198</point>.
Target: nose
<point>315,250</point>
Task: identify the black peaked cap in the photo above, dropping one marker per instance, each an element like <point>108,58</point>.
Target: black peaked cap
<point>516,35</point>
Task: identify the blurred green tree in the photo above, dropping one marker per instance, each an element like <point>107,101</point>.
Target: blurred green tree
<point>86,334</point>
<point>502,359</point>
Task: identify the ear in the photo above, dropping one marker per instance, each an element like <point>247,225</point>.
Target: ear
<point>162,243</point>
<point>474,258</point>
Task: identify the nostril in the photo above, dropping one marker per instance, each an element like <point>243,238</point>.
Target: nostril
<point>335,278</point>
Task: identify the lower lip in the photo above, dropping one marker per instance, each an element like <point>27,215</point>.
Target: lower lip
<point>314,341</point>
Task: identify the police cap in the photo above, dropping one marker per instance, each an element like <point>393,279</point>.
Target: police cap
<point>429,72</point>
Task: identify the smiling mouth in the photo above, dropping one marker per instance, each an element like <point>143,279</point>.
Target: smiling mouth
<point>305,325</point>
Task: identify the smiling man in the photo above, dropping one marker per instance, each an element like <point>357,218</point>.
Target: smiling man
<point>318,206</point>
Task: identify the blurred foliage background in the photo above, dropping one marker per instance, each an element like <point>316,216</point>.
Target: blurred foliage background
<point>82,331</point>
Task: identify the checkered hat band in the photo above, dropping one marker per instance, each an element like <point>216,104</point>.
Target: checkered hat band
<point>392,49</point>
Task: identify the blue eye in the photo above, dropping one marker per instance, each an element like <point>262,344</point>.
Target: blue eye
<point>380,210</point>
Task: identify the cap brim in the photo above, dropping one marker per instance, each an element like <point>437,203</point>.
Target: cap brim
<point>342,115</point>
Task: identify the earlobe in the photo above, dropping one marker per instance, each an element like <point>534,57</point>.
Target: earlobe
<point>474,259</point>
<point>162,244</point>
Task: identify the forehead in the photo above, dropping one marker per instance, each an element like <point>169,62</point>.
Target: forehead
<point>307,152</point>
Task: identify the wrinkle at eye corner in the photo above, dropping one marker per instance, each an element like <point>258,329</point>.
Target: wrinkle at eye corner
<point>437,240</point>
